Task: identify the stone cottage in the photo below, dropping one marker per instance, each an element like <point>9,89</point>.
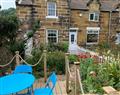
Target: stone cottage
<point>54,17</point>
<point>79,22</point>
<point>94,21</point>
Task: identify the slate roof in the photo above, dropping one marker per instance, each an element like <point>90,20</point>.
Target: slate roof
<point>106,5</point>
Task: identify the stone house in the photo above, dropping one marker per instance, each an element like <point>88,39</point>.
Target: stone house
<point>54,18</point>
<point>82,22</point>
<point>94,21</point>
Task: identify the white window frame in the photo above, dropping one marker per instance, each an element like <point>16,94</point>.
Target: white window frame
<point>92,29</point>
<point>47,35</point>
<point>94,15</point>
<point>117,41</point>
<point>51,16</point>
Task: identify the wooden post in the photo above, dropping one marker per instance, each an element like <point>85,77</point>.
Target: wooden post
<point>66,72</point>
<point>17,58</point>
<point>76,66</point>
<point>45,65</point>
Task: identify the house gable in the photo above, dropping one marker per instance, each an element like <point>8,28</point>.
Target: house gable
<point>93,5</point>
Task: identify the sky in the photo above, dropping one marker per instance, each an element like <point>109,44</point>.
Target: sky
<point>5,4</point>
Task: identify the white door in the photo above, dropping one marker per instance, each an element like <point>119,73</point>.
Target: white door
<point>73,37</point>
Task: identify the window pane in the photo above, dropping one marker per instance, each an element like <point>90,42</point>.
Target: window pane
<point>51,12</point>
<point>72,38</point>
<point>91,38</point>
<point>96,16</point>
<point>91,16</point>
<point>51,9</point>
<point>52,36</point>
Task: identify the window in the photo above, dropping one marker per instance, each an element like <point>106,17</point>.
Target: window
<point>117,41</point>
<point>94,17</point>
<point>52,36</point>
<point>72,38</point>
<point>92,35</point>
<point>51,9</point>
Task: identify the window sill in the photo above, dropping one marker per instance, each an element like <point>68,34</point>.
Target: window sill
<point>93,20</point>
<point>92,43</point>
<point>52,17</point>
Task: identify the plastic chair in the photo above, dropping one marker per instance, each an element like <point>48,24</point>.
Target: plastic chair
<point>23,69</point>
<point>48,89</point>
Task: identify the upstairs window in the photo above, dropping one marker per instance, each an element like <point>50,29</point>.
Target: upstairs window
<point>94,17</point>
<point>51,9</point>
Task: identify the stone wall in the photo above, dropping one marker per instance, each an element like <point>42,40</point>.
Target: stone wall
<point>53,23</point>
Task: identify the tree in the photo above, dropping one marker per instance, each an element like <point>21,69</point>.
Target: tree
<point>8,26</point>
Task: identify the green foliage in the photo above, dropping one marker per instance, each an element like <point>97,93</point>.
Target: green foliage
<point>56,61</point>
<point>104,45</point>
<point>17,46</point>
<point>10,11</point>
<point>106,74</point>
<point>36,25</point>
<point>36,55</point>
<point>57,46</point>
<point>8,25</point>
<point>30,34</point>
<point>72,58</point>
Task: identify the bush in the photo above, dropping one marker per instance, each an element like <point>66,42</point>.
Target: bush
<point>72,58</point>
<point>104,45</point>
<point>36,54</point>
<point>17,46</point>
<point>57,47</point>
<point>56,62</point>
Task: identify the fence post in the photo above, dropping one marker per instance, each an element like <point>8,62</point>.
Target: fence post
<point>45,65</point>
<point>66,72</point>
<point>17,58</point>
<point>76,66</point>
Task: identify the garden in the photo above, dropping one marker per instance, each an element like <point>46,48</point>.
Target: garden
<point>96,72</point>
<point>55,58</point>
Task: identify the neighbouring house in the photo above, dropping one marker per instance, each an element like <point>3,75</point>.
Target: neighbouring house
<point>94,21</point>
<point>79,22</point>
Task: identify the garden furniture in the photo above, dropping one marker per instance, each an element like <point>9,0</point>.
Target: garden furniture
<point>14,83</point>
<point>23,69</point>
<point>48,89</point>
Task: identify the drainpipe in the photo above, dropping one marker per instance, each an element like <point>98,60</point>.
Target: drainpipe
<point>69,3</point>
<point>69,25</point>
<point>109,32</point>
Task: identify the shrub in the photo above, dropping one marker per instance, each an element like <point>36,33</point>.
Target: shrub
<point>17,46</point>
<point>36,54</point>
<point>72,58</point>
<point>104,45</point>
<point>56,61</point>
<point>57,47</point>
